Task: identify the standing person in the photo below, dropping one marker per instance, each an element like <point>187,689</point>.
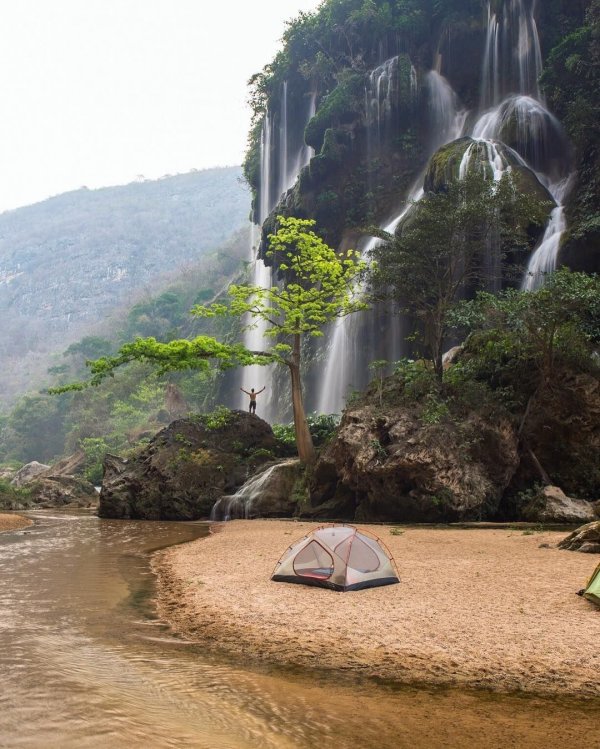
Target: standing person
<point>252,394</point>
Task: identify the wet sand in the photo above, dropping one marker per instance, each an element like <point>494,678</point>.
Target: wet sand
<point>13,522</point>
<point>479,608</point>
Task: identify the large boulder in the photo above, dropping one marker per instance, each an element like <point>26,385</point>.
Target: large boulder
<point>551,505</point>
<point>393,466</point>
<point>28,472</point>
<point>62,491</point>
<point>466,155</point>
<point>586,539</point>
<point>186,468</point>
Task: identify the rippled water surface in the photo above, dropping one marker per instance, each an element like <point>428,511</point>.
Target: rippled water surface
<point>84,663</point>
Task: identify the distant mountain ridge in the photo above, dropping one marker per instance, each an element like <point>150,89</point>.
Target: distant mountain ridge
<point>68,262</point>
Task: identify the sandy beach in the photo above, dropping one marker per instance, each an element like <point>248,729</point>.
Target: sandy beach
<point>13,522</point>
<point>481,608</point>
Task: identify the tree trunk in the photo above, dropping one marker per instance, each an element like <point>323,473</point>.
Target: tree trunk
<point>304,443</point>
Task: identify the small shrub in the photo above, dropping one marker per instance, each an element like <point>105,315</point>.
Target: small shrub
<point>217,419</point>
<point>12,498</point>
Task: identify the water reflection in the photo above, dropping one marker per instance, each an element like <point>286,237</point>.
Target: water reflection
<point>84,664</point>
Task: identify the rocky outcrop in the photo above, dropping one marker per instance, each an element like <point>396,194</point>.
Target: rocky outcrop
<point>62,491</point>
<point>585,539</point>
<point>69,466</point>
<point>563,430</point>
<point>186,468</point>
<point>28,472</point>
<point>392,466</point>
<point>551,505</point>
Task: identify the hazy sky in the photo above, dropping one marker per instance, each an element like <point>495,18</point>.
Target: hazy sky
<point>98,92</point>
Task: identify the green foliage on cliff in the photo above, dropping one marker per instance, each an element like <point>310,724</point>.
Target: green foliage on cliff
<point>437,253</point>
<point>571,81</point>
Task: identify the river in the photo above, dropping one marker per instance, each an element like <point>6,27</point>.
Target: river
<point>85,663</point>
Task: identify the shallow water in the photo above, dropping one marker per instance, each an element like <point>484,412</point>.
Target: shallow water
<point>84,663</point>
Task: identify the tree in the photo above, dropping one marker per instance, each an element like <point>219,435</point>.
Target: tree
<point>520,341</point>
<point>317,287</point>
<point>439,250</point>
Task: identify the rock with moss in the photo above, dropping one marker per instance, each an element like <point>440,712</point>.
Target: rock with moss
<point>62,491</point>
<point>457,158</point>
<point>186,467</point>
<point>392,465</point>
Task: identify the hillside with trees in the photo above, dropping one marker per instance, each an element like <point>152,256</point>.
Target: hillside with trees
<point>68,263</point>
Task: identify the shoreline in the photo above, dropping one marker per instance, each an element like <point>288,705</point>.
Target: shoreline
<point>10,522</point>
<point>491,609</point>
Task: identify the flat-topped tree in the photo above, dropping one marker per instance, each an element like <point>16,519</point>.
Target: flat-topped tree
<point>318,286</point>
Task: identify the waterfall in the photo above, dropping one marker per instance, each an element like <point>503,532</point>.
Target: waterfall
<point>283,141</point>
<point>347,359</point>
<point>254,336</point>
<point>447,119</point>
<point>522,121</point>
<point>240,504</point>
<point>379,93</point>
<point>357,340</point>
<point>283,178</point>
<point>527,126</point>
<point>543,259</point>
<point>512,58</point>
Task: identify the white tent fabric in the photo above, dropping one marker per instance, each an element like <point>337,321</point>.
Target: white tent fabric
<point>339,557</point>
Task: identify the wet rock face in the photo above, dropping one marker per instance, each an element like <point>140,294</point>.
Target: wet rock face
<point>274,492</point>
<point>186,468</point>
<point>393,467</point>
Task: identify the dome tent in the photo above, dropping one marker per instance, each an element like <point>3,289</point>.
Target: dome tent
<point>339,557</point>
<point>592,589</point>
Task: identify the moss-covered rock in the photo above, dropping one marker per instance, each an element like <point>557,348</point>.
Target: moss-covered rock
<point>337,108</point>
<point>456,159</point>
<point>186,468</point>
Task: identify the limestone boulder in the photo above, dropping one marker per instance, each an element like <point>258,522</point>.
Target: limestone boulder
<point>394,467</point>
<point>585,539</point>
<point>62,491</point>
<point>28,472</point>
<point>551,505</point>
<point>186,468</point>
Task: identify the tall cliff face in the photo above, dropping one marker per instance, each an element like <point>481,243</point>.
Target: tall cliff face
<point>370,102</point>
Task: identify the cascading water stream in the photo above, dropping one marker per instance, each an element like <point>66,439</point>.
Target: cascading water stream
<point>286,175</point>
<point>446,116</point>
<point>357,340</point>
<point>543,259</point>
<point>345,367</point>
<point>512,59</point>
<point>241,504</point>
